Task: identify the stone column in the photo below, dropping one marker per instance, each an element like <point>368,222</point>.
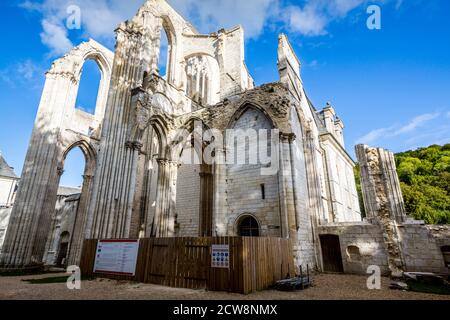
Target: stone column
<point>132,159</point>
<point>219,209</point>
<point>287,201</point>
<point>110,206</point>
<point>314,198</point>
<point>383,199</point>
<point>78,235</point>
<point>165,215</point>
<point>35,203</point>
<point>206,201</point>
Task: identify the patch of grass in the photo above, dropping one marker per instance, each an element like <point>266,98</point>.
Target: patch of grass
<point>428,288</point>
<point>52,280</point>
<point>21,273</point>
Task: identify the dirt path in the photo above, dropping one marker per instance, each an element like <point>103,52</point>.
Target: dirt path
<point>329,287</point>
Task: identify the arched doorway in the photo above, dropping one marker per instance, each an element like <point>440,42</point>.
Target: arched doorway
<point>331,253</point>
<point>248,227</point>
<point>63,249</point>
<point>194,194</point>
<point>76,170</point>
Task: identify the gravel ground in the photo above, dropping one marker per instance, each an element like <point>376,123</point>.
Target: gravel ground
<point>327,286</point>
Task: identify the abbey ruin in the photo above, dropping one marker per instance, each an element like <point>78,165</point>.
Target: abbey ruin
<point>141,181</point>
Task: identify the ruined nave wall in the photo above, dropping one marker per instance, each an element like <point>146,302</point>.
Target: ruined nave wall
<point>244,181</point>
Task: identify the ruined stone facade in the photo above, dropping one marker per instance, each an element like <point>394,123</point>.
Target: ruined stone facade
<point>139,181</point>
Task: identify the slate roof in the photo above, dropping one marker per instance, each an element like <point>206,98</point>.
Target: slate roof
<point>6,170</point>
<point>68,191</point>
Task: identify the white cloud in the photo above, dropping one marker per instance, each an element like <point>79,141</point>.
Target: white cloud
<point>22,73</point>
<point>210,15</point>
<point>313,18</point>
<point>373,135</point>
<point>417,122</point>
<point>380,134</point>
<point>55,38</point>
<point>27,69</point>
<point>99,18</point>
<point>306,21</point>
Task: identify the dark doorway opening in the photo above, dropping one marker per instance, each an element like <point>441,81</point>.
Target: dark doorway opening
<point>61,261</point>
<point>249,227</point>
<point>446,253</point>
<point>331,253</point>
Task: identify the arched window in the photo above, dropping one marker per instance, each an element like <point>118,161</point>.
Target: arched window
<point>89,87</point>
<point>249,227</point>
<point>74,167</point>
<point>202,75</point>
<point>248,149</point>
<point>164,54</point>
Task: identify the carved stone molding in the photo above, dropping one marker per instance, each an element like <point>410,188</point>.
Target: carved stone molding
<point>134,145</point>
<point>287,137</point>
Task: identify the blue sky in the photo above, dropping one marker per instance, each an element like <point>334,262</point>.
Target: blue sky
<point>390,86</point>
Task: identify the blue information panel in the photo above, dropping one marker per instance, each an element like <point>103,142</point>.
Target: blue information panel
<point>220,256</point>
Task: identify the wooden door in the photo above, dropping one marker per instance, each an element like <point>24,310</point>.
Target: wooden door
<point>331,253</point>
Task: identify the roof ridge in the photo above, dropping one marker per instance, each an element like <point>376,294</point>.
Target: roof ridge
<point>5,169</point>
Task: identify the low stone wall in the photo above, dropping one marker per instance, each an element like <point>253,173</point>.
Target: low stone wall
<point>361,246</point>
<point>421,246</point>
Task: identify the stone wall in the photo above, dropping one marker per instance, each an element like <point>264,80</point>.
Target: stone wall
<point>421,247</point>
<point>188,200</point>
<point>361,246</point>
<point>244,184</point>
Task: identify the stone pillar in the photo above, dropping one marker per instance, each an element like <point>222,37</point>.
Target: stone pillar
<point>109,214</point>
<point>380,184</point>
<point>78,234</point>
<point>287,199</point>
<point>383,199</point>
<point>125,215</point>
<point>314,200</point>
<point>219,210</point>
<point>35,203</point>
<point>165,215</point>
<point>206,201</point>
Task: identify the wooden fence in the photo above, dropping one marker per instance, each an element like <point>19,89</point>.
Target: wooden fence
<point>255,263</point>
